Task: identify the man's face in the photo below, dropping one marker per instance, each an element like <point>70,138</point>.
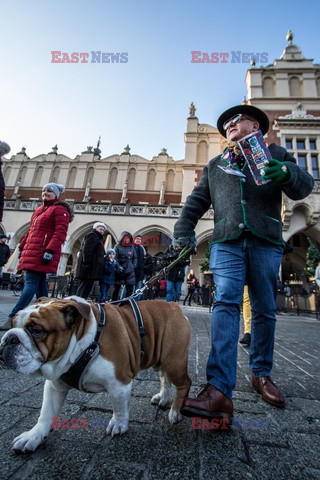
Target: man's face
<point>241,128</point>
<point>2,240</point>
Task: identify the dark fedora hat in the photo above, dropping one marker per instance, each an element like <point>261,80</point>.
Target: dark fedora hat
<point>249,110</point>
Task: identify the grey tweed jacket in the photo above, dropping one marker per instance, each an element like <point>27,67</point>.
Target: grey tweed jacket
<point>239,203</point>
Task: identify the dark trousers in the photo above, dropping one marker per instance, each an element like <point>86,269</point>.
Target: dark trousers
<point>189,295</point>
<point>116,289</point>
<point>84,287</point>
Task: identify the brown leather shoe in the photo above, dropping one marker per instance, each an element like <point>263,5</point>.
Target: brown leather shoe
<point>210,403</point>
<point>268,390</point>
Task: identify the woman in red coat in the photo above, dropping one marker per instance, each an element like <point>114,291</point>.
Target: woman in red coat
<point>40,249</point>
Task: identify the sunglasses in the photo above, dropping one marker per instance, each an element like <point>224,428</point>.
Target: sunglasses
<point>236,119</point>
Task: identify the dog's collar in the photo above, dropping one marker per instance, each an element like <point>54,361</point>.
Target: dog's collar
<point>74,376</point>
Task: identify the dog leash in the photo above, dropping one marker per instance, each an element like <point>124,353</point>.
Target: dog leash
<point>74,376</point>
<point>162,273</point>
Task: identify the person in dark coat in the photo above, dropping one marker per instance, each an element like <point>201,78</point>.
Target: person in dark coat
<point>127,260</point>
<point>247,246</point>
<point>90,266</point>
<point>176,274</point>
<point>191,281</point>
<point>40,248</point>
<point>108,275</point>
<point>4,252</point>
<point>139,270</point>
<point>4,149</point>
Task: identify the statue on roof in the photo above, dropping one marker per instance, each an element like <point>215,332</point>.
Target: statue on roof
<point>192,110</point>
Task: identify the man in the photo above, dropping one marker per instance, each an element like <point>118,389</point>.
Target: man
<point>4,149</point>
<point>247,248</point>
<point>90,265</point>
<point>40,248</point>
<point>317,275</point>
<point>4,252</point>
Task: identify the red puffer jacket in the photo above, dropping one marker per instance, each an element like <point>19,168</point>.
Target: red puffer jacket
<point>48,231</point>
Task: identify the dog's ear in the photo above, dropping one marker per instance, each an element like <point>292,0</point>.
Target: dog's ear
<point>43,299</point>
<point>74,311</point>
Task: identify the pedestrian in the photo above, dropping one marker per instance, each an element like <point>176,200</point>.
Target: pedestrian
<point>317,275</point>
<point>40,248</point>
<point>4,252</point>
<point>127,261</point>
<point>247,317</point>
<point>90,265</point>
<point>247,245</point>
<point>191,282</point>
<point>148,273</point>
<point>108,275</point>
<point>162,287</point>
<point>176,274</point>
<point>139,269</point>
<point>4,149</point>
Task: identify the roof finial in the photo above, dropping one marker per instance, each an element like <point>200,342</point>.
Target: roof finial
<point>289,36</point>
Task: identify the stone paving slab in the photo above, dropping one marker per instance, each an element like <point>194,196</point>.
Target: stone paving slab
<point>285,446</point>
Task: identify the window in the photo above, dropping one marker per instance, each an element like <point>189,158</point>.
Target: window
<point>313,145</point>
<point>72,177</point>
<point>112,181</point>
<point>54,177</point>
<point>302,161</point>
<point>301,144</point>
<point>151,179</point>
<point>295,87</point>
<point>315,166</point>
<point>131,178</point>
<point>289,145</point>
<point>170,180</point>
<point>37,182</point>
<point>268,87</point>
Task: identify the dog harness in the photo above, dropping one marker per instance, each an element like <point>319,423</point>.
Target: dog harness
<point>74,376</point>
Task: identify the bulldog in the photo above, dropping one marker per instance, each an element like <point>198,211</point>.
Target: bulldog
<point>48,337</point>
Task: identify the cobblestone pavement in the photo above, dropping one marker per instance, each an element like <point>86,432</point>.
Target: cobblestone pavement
<point>284,445</point>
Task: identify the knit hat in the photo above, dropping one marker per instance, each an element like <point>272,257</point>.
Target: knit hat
<point>3,236</point>
<point>4,148</point>
<point>55,188</point>
<point>110,250</point>
<point>99,224</point>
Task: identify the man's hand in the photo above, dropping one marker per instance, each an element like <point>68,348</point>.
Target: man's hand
<point>276,171</point>
<point>47,257</point>
<point>189,241</point>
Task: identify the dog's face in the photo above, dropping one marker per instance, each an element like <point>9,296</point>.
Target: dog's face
<point>45,333</point>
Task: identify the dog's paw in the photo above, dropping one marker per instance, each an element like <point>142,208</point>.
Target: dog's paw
<point>161,400</point>
<point>174,416</point>
<point>117,427</point>
<point>28,441</point>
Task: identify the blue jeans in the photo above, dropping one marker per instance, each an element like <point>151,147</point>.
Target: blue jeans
<point>35,283</point>
<point>104,289</point>
<point>136,287</point>
<point>256,262</point>
<point>173,291</point>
